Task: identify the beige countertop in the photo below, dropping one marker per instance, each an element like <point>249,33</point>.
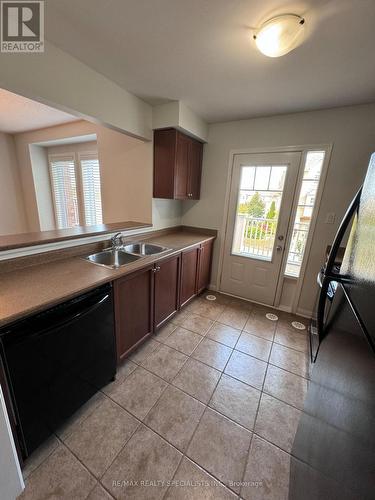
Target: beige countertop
<point>12,241</point>
<point>31,289</point>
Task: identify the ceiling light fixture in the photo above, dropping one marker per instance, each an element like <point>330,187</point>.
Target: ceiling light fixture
<point>279,35</point>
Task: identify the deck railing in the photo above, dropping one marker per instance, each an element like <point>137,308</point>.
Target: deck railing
<point>256,236</point>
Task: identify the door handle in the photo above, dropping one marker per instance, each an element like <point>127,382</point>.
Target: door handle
<point>279,248</point>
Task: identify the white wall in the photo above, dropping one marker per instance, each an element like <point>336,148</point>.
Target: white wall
<point>176,114</point>
<point>58,79</point>
<point>166,213</point>
<point>11,482</point>
<point>126,171</point>
<point>12,210</point>
<point>351,130</point>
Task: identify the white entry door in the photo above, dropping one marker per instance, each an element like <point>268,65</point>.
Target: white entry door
<point>260,205</point>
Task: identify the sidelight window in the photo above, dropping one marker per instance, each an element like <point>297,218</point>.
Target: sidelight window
<point>304,213</point>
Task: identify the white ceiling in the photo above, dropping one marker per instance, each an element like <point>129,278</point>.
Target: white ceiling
<point>202,52</point>
<point>18,114</point>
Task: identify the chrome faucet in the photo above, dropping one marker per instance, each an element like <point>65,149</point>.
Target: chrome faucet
<point>116,241</point>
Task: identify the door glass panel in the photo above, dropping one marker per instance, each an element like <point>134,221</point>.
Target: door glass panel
<point>257,211</point>
<point>262,177</point>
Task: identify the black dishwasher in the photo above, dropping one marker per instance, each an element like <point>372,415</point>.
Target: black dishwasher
<point>57,360</point>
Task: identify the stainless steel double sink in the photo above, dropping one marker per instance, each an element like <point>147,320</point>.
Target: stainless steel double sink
<point>114,258</point>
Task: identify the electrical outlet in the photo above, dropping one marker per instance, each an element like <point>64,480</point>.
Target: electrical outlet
<point>330,218</point>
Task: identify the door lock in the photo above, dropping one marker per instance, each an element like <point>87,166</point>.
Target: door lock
<point>280,238</point>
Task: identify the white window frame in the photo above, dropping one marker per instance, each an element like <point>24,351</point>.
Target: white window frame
<point>303,148</point>
<point>75,156</point>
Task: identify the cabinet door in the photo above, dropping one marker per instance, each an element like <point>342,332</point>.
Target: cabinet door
<point>195,169</point>
<point>166,289</point>
<point>165,143</point>
<point>182,167</point>
<point>205,258</point>
<point>133,309</point>
<point>189,268</point>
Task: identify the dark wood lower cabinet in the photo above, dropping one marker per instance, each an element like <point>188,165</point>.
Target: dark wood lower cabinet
<point>189,267</point>
<point>167,274</point>
<point>134,307</point>
<point>147,298</point>
<point>204,266</point>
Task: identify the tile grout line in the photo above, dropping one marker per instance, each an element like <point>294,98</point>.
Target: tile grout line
<point>223,372</point>
<point>255,420</point>
<point>204,411</point>
<point>212,409</point>
<point>140,422</point>
<point>233,349</point>
<point>183,453</point>
<point>170,384</point>
<point>208,407</point>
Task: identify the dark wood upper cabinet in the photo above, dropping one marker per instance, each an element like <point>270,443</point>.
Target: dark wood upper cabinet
<point>204,266</point>
<point>134,295</point>
<point>195,169</point>
<point>177,165</point>
<point>189,268</point>
<point>167,273</point>
<point>181,170</point>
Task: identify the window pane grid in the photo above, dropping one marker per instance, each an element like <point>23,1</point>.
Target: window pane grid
<point>258,205</point>
<point>91,190</point>
<point>306,203</point>
<point>76,190</point>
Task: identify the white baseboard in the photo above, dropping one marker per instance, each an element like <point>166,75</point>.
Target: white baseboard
<point>287,309</point>
<point>306,313</point>
<point>212,287</point>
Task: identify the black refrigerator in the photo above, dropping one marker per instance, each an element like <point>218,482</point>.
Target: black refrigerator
<point>333,455</point>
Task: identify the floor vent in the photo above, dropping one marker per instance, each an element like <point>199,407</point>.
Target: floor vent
<point>298,326</point>
<point>272,317</point>
<point>210,297</point>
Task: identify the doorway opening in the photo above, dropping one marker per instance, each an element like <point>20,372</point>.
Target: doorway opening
<point>271,211</point>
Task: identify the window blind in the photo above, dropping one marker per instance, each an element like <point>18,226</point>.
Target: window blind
<point>92,200</point>
<point>64,186</point>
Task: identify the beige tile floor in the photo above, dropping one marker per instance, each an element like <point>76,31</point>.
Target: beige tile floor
<point>207,409</point>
